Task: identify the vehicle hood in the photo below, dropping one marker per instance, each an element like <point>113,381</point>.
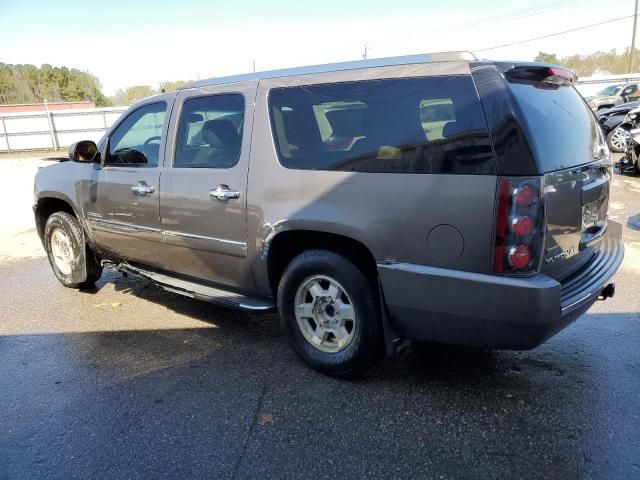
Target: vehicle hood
<point>618,110</point>
<point>601,98</point>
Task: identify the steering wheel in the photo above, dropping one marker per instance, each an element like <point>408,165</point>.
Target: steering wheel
<point>152,139</point>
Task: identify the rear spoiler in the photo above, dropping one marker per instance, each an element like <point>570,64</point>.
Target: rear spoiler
<point>540,72</point>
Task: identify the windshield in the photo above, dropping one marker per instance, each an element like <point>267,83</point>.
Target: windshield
<point>609,91</point>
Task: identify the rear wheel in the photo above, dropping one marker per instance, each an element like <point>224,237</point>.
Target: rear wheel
<point>617,140</point>
<point>72,260</point>
<point>329,312</point>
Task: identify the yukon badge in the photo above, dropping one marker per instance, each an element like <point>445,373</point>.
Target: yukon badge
<point>558,256</point>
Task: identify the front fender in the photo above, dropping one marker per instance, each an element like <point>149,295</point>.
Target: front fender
<point>62,182</point>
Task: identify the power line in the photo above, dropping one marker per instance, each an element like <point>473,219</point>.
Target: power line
<point>518,14</point>
<point>554,34</point>
<point>514,16</point>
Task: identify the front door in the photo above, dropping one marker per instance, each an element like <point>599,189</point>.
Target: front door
<point>203,185</point>
<point>122,208</point>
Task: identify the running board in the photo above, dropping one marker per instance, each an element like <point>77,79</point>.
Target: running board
<point>199,291</point>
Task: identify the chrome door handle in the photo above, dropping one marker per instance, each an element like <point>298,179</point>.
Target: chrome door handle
<point>224,193</point>
<point>142,188</point>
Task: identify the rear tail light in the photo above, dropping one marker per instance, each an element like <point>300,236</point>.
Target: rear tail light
<point>524,196</point>
<point>519,257</point>
<point>522,226</point>
<point>519,234</point>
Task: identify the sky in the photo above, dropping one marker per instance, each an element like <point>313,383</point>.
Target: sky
<point>145,42</point>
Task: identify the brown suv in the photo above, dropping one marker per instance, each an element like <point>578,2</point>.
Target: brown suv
<point>431,197</point>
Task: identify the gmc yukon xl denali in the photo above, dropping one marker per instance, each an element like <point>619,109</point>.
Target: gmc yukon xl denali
<point>433,197</point>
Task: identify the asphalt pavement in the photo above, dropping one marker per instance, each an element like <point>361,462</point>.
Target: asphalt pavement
<point>129,381</point>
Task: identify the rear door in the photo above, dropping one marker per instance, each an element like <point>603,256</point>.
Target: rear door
<point>569,149</point>
<point>203,205</point>
<point>122,203</point>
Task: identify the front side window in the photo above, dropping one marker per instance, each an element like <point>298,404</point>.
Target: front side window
<point>609,91</point>
<point>210,132</point>
<point>136,141</point>
<point>409,125</point>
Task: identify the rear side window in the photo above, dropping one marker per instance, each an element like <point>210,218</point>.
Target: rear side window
<point>210,132</point>
<point>414,125</point>
<point>562,127</point>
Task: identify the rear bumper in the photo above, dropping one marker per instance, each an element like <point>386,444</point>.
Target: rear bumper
<point>490,311</point>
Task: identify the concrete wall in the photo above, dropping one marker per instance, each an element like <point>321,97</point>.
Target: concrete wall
<point>41,130</point>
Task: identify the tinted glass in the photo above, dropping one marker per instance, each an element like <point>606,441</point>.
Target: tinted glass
<point>415,125</point>
<point>562,127</point>
<point>608,91</point>
<point>210,132</point>
<point>137,139</point>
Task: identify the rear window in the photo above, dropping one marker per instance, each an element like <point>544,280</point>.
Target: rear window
<point>415,125</point>
<point>562,127</point>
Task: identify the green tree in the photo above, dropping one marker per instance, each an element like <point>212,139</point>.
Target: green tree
<point>171,86</point>
<point>610,62</point>
<point>132,94</point>
<point>28,83</point>
<point>546,58</point>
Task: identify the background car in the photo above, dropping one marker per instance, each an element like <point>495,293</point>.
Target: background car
<point>613,95</point>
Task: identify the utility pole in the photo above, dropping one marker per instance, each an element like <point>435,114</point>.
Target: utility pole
<point>633,38</point>
<point>254,66</point>
<point>366,50</point>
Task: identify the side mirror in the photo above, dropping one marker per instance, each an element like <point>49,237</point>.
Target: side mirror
<point>83,151</point>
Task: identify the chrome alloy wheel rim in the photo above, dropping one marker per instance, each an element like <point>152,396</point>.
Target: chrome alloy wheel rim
<point>325,314</point>
<point>61,251</point>
<point>618,139</point>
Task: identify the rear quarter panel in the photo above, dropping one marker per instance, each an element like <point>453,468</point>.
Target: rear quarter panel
<point>392,214</point>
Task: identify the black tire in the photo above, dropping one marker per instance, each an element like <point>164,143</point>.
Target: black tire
<point>85,269</point>
<point>365,344</point>
<point>612,147</point>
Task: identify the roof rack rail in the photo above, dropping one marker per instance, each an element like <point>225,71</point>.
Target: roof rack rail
<point>335,67</point>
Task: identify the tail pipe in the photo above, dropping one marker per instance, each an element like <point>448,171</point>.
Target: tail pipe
<point>607,292</point>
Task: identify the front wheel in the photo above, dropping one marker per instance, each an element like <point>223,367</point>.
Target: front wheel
<point>617,140</point>
<point>72,261</point>
<point>330,313</point>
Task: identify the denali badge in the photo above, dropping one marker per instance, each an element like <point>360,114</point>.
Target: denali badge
<point>560,255</point>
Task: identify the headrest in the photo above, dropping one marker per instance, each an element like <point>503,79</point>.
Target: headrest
<point>346,123</point>
<point>450,129</point>
<point>220,134</point>
<point>294,127</point>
